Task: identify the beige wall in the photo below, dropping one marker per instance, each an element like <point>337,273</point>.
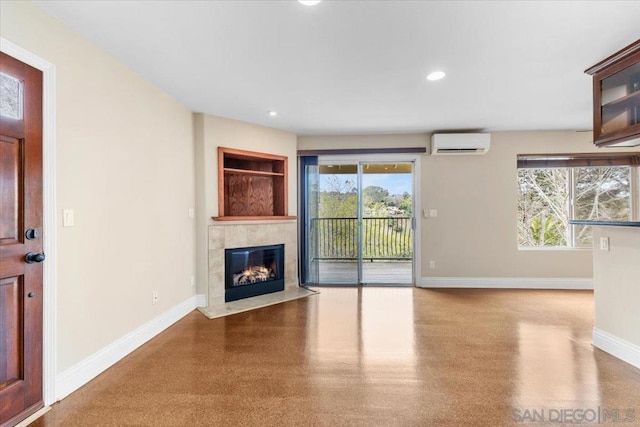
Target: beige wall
<point>212,132</point>
<point>362,141</point>
<point>475,233</point>
<point>125,166</point>
<point>616,280</point>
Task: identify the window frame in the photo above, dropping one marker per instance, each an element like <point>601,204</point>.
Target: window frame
<point>547,162</point>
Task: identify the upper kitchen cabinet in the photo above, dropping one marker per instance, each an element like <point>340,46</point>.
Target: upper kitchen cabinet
<point>616,98</point>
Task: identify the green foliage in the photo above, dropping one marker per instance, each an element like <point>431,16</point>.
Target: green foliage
<point>543,202</point>
<point>407,206</point>
<point>386,230</point>
<point>338,205</point>
<point>372,195</point>
<point>341,201</point>
<point>549,231</point>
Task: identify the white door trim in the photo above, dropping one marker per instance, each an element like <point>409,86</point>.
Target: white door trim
<point>49,210</point>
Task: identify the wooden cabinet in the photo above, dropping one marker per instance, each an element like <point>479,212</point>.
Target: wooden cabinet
<point>251,185</point>
<point>616,98</point>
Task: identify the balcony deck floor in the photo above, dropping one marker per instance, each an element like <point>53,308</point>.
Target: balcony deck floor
<point>378,272</point>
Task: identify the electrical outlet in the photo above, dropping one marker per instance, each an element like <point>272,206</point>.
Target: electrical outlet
<point>154,297</point>
<point>604,243</point>
<point>192,213</point>
<point>193,281</point>
<point>432,264</point>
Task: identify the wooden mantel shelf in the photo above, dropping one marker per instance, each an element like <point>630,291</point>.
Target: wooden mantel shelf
<point>253,218</point>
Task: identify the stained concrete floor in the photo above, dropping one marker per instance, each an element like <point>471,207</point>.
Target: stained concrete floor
<point>367,357</point>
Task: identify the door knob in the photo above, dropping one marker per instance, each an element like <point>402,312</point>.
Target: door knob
<point>32,257</point>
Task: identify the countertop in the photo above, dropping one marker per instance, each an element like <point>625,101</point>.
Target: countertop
<point>606,223</point>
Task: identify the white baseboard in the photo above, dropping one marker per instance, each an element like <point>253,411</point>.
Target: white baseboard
<point>89,368</point>
<point>504,283</point>
<point>201,300</point>
<point>623,350</point>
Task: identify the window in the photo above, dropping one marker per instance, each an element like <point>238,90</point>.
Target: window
<point>10,97</point>
<point>553,190</point>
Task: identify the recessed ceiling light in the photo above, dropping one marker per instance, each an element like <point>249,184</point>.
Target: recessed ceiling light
<point>436,75</point>
<point>272,113</point>
<point>309,2</point>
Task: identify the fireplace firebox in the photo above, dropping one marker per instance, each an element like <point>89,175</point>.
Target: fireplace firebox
<point>253,271</point>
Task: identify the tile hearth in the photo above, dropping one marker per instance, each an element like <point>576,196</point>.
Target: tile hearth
<point>220,310</point>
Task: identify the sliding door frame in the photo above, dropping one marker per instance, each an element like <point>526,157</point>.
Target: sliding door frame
<point>358,159</point>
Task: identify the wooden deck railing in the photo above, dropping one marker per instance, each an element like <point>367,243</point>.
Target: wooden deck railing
<point>383,238</point>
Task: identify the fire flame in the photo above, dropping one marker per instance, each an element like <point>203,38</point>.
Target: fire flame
<point>253,274</point>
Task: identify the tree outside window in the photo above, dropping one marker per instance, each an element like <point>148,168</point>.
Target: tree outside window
<point>549,197</point>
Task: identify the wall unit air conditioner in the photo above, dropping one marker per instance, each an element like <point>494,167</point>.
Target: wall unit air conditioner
<point>446,144</point>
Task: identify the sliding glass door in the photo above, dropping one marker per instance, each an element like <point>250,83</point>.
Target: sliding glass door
<point>359,223</point>
<point>334,230</point>
<point>387,223</point>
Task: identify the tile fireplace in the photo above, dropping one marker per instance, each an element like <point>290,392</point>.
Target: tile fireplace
<point>225,235</point>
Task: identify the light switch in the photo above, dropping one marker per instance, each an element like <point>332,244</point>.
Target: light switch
<point>67,217</point>
<point>604,243</point>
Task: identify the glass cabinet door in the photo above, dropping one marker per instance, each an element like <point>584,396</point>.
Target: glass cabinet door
<point>620,100</point>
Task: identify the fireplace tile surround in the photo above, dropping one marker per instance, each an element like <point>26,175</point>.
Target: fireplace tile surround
<point>237,234</point>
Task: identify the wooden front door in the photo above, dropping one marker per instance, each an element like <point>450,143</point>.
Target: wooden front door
<point>20,240</point>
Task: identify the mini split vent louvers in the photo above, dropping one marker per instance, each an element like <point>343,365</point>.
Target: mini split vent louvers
<point>448,144</point>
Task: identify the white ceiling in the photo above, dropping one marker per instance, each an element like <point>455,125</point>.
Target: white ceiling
<point>347,67</point>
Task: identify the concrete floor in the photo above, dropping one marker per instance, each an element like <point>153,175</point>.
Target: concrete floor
<point>367,357</point>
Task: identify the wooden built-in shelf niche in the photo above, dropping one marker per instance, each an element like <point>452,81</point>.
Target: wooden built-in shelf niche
<point>251,186</point>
